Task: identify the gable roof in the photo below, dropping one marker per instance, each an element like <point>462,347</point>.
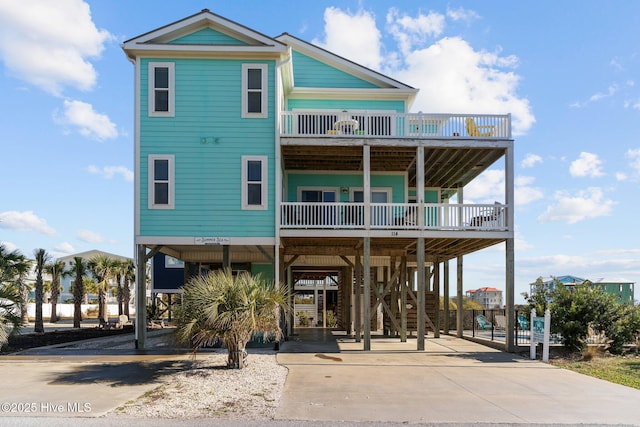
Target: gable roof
<point>385,86</point>
<point>162,40</point>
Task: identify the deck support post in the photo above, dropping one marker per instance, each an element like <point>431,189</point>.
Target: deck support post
<point>459,301</point>
<point>403,299</point>
<point>421,293</point>
<point>445,326</point>
<point>367,293</point>
<point>141,297</point>
<point>510,247</point>
<point>358,299</point>
<point>436,292</point>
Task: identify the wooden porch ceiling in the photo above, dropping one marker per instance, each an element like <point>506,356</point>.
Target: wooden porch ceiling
<point>440,249</point>
<point>445,167</point>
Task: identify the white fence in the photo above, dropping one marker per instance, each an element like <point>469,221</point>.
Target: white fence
<point>65,311</point>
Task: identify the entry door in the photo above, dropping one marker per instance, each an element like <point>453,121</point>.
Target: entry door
<point>379,214</point>
<point>324,214</point>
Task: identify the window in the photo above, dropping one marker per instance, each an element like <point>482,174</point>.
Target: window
<point>161,182</point>
<point>254,91</point>
<point>254,182</point>
<point>161,89</point>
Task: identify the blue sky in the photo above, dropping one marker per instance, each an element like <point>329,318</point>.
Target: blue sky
<point>567,71</point>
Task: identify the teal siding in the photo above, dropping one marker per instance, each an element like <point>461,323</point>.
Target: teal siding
<point>265,270</point>
<point>309,72</point>
<point>207,176</point>
<point>346,104</point>
<point>295,180</point>
<point>430,196</point>
<point>208,36</point>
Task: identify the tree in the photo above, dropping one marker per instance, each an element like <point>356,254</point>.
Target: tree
<point>56,270</point>
<point>41,258</point>
<point>13,266</point>
<point>576,309</point>
<point>102,267</point>
<point>79,271</point>
<point>220,306</point>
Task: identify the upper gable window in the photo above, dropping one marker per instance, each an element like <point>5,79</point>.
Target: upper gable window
<point>254,90</point>
<point>161,89</point>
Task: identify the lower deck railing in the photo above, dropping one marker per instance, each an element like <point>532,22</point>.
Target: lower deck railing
<point>401,216</point>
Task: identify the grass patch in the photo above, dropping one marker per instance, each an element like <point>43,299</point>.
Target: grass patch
<point>619,370</point>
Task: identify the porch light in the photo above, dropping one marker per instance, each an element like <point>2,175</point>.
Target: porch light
<point>344,190</point>
<point>209,140</point>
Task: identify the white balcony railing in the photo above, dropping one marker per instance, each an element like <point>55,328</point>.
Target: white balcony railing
<point>393,216</point>
<point>379,124</point>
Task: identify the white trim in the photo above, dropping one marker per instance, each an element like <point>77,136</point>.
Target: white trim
<point>137,161</point>
<point>264,165</point>
<point>151,181</point>
<point>264,91</point>
<point>152,89</point>
<point>321,188</point>
<point>196,22</point>
<point>190,241</point>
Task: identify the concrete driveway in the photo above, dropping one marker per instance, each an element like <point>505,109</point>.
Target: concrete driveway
<point>452,381</point>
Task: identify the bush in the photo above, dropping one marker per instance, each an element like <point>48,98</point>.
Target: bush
<point>303,318</point>
<point>332,320</point>
<point>574,311</point>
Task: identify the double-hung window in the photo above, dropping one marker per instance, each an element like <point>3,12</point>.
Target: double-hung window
<point>254,91</point>
<point>161,89</point>
<point>161,181</point>
<point>254,182</point>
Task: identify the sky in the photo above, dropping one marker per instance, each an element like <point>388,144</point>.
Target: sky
<point>568,72</point>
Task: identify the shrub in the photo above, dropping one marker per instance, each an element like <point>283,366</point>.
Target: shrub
<point>303,318</point>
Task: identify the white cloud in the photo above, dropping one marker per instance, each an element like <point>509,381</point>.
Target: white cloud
<point>589,203</point>
<point>634,159</point>
<point>452,76</point>
<point>88,122</point>
<point>487,187</point>
<point>25,221</point>
<point>353,36</point>
<point>621,176</point>
<point>462,14</point>
<point>90,236</point>
<point>409,31</point>
<point>110,171</point>
<point>588,164</point>
<point>525,193</point>
<point>455,78</point>
<point>530,160</point>
<point>49,43</point>
<point>9,246</point>
<point>65,248</point>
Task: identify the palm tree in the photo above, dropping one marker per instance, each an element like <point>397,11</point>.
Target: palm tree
<point>219,306</point>
<point>102,268</point>
<point>13,267</point>
<point>41,258</point>
<point>79,271</point>
<point>56,270</point>
<point>119,272</point>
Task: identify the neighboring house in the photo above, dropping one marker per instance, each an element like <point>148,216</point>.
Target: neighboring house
<point>623,291</point>
<point>487,297</point>
<point>276,155</point>
<point>67,280</point>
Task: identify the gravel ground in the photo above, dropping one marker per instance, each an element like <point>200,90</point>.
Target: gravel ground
<point>211,390</point>
<point>208,389</point>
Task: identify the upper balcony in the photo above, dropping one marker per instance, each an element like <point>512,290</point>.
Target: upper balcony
<point>394,216</point>
<point>391,125</point>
